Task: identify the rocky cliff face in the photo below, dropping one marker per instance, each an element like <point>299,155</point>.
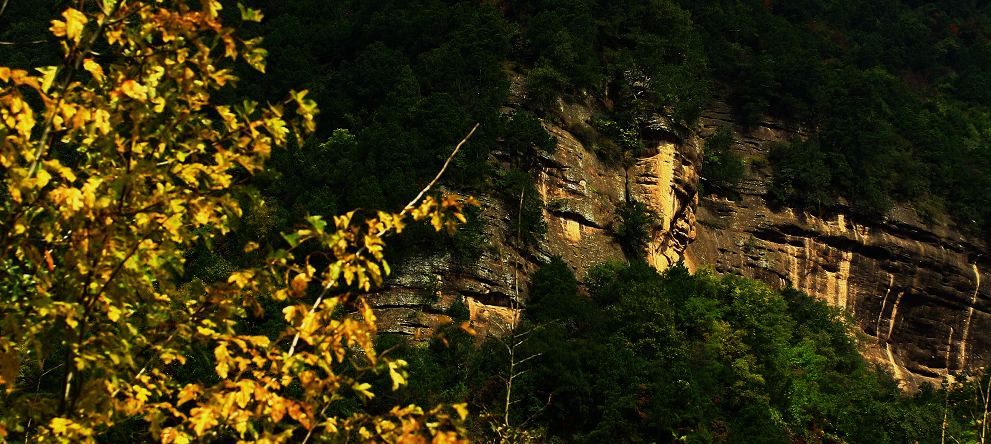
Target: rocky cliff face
<point>581,195</point>
<point>919,294</point>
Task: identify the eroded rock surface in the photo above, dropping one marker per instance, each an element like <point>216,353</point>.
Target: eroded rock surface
<point>919,294</point>
<point>581,195</point>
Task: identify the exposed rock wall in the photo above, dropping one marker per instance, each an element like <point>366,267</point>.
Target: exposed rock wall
<point>919,294</point>
<point>581,195</point>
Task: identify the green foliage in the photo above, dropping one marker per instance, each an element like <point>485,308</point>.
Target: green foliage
<point>404,95</point>
<point>635,223</point>
<point>544,85</point>
<point>707,359</point>
<point>621,143</point>
<point>722,169</point>
<point>648,356</point>
<point>554,293</point>
<point>888,89</point>
<point>645,356</point>
<point>801,177</point>
<point>525,138</point>
<point>647,53</point>
<point>523,203</point>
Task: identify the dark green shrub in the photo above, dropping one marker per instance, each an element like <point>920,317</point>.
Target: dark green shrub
<point>526,216</point>
<point>635,223</point>
<point>722,169</point>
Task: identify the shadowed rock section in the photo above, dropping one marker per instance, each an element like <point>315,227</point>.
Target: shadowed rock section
<point>919,294</point>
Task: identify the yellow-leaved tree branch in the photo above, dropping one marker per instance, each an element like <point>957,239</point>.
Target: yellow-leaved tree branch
<point>115,164</point>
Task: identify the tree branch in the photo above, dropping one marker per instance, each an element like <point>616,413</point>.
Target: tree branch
<point>72,66</point>
<point>443,169</point>
<point>407,208</point>
<point>32,42</point>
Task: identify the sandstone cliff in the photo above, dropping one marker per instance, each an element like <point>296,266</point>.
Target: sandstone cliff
<point>919,295</point>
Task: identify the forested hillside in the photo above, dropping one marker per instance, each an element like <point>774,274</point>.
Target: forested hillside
<point>175,271</point>
<point>893,93</point>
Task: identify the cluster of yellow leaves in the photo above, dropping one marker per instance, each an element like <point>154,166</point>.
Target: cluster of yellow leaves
<point>113,164</point>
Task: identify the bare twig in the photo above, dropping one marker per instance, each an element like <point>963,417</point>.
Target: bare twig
<point>407,208</point>
<point>984,421</point>
<point>443,169</point>
<point>31,42</point>
<point>514,335</point>
<point>946,403</point>
<point>309,433</point>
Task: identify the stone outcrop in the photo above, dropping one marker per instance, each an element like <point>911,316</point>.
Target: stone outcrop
<point>422,289</point>
<point>581,194</point>
<point>919,294</point>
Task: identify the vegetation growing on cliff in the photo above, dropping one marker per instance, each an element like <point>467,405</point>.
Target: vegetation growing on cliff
<point>672,357</point>
<point>894,93</point>
<point>722,169</point>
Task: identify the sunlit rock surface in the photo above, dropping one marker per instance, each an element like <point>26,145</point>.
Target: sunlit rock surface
<point>919,294</point>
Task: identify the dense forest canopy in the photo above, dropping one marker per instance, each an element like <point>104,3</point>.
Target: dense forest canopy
<point>894,93</point>
<point>894,96</point>
<point>649,357</point>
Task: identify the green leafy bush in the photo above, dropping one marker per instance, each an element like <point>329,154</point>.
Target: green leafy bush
<point>722,169</point>
<point>635,223</point>
<point>522,201</point>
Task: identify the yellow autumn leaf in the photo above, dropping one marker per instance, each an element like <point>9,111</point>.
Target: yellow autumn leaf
<point>245,389</point>
<point>94,69</point>
<point>60,425</point>
<point>462,409</point>
<point>134,90</point>
<point>63,171</point>
<point>113,313</point>
<point>397,374</point>
<point>202,419</point>
<point>42,178</point>
<point>363,389</point>
<point>101,120</point>
<point>241,278</point>
<point>57,28</point>
<point>299,283</point>
<point>72,27</point>
<point>212,7</point>
<point>250,14</point>
<point>68,198</point>
<point>47,76</point>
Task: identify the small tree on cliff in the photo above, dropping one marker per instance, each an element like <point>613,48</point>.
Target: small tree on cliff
<point>115,163</point>
<point>634,224</point>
